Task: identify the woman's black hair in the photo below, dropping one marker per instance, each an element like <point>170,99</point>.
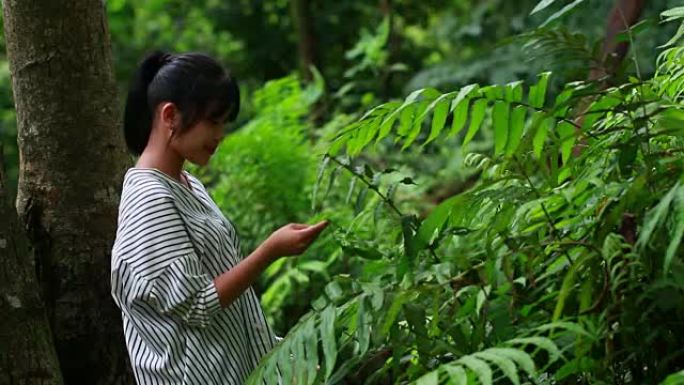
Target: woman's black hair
<point>196,83</point>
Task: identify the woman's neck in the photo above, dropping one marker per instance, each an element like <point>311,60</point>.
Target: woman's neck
<point>171,167</point>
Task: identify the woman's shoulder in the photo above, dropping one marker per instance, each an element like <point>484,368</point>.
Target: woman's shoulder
<point>144,179</point>
<point>141,187</point>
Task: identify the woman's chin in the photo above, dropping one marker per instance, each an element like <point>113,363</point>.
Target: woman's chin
<point>201,160</point>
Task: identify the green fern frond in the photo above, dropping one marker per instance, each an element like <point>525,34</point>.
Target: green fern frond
<point>510,361</point>
<point>468,106</point>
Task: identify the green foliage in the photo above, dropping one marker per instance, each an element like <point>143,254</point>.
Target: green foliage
<point>560,264</point>
<point>468,104</point>
<point>177,26</point>
<point>370,49</point>
<point>261,176</point>
<point>271,150</point>
<point>515,229</point>
<point>671,15</point>
<point>675,379</point>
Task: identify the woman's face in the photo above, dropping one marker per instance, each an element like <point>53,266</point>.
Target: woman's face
<point>198,142</point>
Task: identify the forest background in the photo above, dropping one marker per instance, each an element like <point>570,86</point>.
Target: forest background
<point>503,180</point>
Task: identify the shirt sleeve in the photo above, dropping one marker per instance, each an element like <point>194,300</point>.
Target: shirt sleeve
<point>154,264</point>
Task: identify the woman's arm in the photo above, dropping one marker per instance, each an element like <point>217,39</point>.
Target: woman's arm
<point>235,281</point>
<point>292,239</point>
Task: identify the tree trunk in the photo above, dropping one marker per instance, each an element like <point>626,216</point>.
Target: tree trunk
<point>72,160</point>
<point>27,353</point>
<point>392,48</point>
<point>624,15</point>
<point>306,41</point>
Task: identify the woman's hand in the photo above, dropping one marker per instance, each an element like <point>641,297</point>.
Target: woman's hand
<point>292,239</point>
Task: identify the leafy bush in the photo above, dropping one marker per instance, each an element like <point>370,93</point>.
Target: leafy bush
<point>265,165</point>
<point>562,264</point>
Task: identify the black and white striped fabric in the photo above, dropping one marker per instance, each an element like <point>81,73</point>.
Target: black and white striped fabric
<point>171,242</point>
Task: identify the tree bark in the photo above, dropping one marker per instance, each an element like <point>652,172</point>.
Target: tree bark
<point>72,160</point>
<point>392,48</point>
<point>306,39</point>
<point>27,353</point>
<point>624,15</point>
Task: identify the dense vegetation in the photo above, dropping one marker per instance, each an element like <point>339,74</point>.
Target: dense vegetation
<point>560,263</point>
<point>499,213</point>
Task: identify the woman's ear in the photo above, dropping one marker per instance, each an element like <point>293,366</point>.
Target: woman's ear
<point>170,117</point>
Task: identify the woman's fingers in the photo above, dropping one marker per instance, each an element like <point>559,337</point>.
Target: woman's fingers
<point>313,230</point>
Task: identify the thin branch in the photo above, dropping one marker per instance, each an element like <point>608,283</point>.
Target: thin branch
<point>371,186</point>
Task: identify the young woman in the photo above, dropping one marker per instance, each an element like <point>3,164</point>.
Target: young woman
<point>189,313</point>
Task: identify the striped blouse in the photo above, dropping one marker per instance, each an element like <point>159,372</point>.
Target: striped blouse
<point>171,242</point>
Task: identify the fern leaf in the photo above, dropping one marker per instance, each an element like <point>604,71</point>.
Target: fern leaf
<point>569,326</point>
<point>300,359</point>
<point>321,171</point>
<point>362,327</point>
<point>517,126</point>
<point>514,91</point>
<point>567,134</point>
<point>506,365</point>
<point>537,93</point>
<point>328,341</point>
<point>311,351</point>
<point>562,12</point>
<point>439,118</point>
<point>656,216</point>
<point>543,128</point>
<point>393,312</point>
<point>520,357</point>
<point>285,361</point>
<point>437,219</point>
<point>477,116</point>
<point>540,342</point>
<point>460,117</point>
<point>406,119</point>
<point>481,368</point>
<point>431,378</point>
<point>676,237</point>
<point>674,378</point>
<point>541,6</point>
<point>386,126</point>
<point>500,117</point>
<point>568,284</point>
<point>457,376</point>
<point>459,106</point>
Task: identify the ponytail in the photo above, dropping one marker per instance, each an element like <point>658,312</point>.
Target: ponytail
<point>196,83</point>
<point>138,112</point>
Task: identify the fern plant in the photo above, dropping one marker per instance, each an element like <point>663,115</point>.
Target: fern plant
<point>561,265</point>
